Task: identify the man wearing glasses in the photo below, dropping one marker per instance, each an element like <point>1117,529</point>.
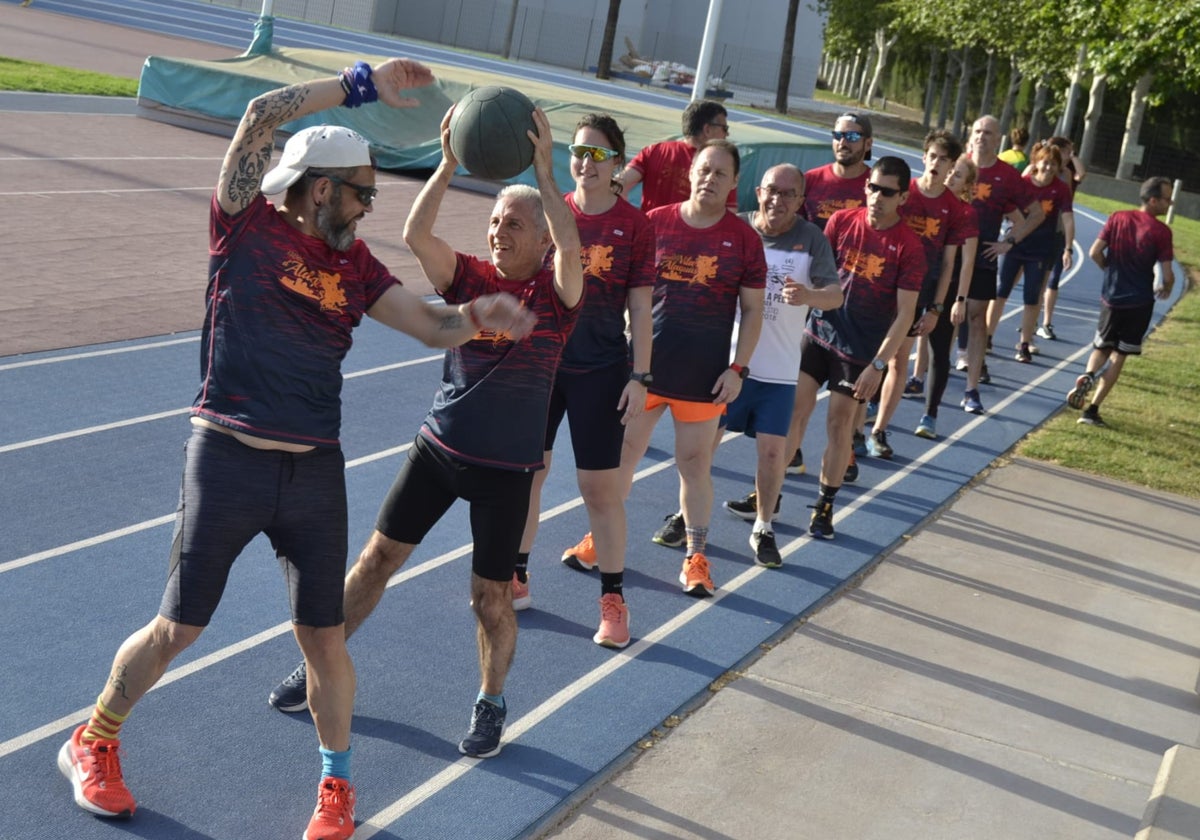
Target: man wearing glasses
<point>838,185</point>
<point>287,285</point>
<point>662,168</point>
<point>881,264</point>
<point>1128,247</point>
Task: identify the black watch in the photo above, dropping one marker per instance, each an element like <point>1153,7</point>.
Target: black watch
<point>939,308</point>
<point>741,370</point>
<point>961,299</point>
<point>641,378</point>
<point>1010,240</point>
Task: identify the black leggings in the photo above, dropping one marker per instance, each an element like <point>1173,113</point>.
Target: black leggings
<point>940,340</point>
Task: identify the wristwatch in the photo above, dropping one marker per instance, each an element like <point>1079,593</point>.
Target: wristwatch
<point>879,365</point>
<point>939,308</point>
<point>741,370</point>
<point>961,299</point>
<point>1010,240</point>
<point>641,378</point>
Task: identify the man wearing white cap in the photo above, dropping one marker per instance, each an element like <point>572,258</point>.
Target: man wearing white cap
<point>287,284</point>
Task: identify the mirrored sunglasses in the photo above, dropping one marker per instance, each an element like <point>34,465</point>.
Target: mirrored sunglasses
<point>849,136</point>
<point>599,154</point>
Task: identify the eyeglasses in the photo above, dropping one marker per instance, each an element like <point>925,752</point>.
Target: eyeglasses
<point>886,192</point>
<point>848,136</point>
<point>786,195</point>
<point>364,193</point>
<point>599,154</point>
<point>723,126</point>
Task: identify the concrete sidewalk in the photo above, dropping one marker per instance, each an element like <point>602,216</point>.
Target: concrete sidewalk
<point>1017,668</point>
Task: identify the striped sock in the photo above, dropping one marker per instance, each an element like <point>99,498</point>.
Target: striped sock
<point>104,724</point>
<point>697,540</point>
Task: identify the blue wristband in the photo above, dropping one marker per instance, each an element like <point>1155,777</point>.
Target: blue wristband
<point>356,82</point>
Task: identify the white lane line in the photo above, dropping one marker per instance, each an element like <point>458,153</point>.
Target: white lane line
<point>149,418</point>
<point>92,354</point>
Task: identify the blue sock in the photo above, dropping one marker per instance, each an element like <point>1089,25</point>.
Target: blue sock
<point>496,700</point>
<point>336,764</point>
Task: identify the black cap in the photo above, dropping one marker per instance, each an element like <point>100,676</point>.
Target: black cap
<point>864,122</point>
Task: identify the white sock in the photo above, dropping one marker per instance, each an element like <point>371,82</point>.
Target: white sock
<point>761,525</point>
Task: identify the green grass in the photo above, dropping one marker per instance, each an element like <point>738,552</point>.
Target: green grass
<point>45,78</point>
<point>1153,414</point>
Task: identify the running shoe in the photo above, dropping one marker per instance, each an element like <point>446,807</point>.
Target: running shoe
<point>988,350</point>
<point>821,524</point>
<point>860,443</point>
<point>1046,331</point>
<point>914,387</point>
<point>1023,354</point>
<point>878,446</point>
<point>334,817</point>
<point>971,403</point>
<point>872,413</point>
<point>766,553</point>
<point>94,770</point>
<point>1091,417</point>
<point>1077,396</point>
<point>927,428</point>
<point>961,363</point>
<point>673,534</point>
<point>522,600</point>
<point>583,555</point>
<point>291,695</point>
<point>796,465</point>
<point>614,622</point>
<point>747,508</point>
<point>483,737</point>
<point>851,475</point>
<point>695,576</point>
<point>985,378</point>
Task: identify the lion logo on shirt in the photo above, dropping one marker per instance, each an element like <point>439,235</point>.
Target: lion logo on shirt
<point>597,260</point>
<point>926,227</point>
<point>983,191</point>
<point>867,266</point>
<point>322,286</point>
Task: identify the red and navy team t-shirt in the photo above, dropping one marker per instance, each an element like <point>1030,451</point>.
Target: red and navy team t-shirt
<point>699,275</point>
<point>872,266</point>
<point>665,167</point>
<point>491,406</point>
<point>999,190</point>
<point>618,255</point>
<point>825,193</point>
<point>1055,199</point>
<point>280,309</point>
<point>939,222</point>
<point>1136,241</point>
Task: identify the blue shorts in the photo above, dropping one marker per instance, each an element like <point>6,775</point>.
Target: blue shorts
<point>430,480</point>
<point>1032,270</point>
<point>762,407</point>
<point>589,401</point>
<point>230,493</point>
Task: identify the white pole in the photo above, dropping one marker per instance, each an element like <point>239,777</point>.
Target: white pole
<point>1175,190</point>
<point>267,7</point>
<point>707,45</point>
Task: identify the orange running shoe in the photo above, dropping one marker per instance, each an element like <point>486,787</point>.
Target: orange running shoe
<point>695,577</point>
<point>614,622</point>
<point>334,817</point>
<point>94,770</point>
<point>582,556</point>
<point>520,592</point>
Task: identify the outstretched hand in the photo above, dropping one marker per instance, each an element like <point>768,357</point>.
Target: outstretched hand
<point>504,313</point>
<point>400,74</point>
<point>543,143</point>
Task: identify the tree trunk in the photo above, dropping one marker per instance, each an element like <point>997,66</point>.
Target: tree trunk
<point>951,63</point>
<point>964,87</point>
<point>604,62</point>
<point>1037,127</point>
<point>1066,123</point>
<point>1091,120</point>
<point>1131,152</point>
<point>861,88</point>
<point>785,61</point>
<point>858,56</point>
<point>883,44</point>
<point>989,87</point>
<point>1009,109</point>
<point>930,88</point>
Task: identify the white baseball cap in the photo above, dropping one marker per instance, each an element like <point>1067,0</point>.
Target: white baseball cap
<point>319,146</point>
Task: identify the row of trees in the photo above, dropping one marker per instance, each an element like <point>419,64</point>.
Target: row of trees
<point>1147,46</point>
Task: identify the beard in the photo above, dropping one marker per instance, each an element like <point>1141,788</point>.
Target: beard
<point>337,232</point>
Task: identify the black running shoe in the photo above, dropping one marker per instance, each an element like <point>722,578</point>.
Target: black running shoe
<point>821,524</point>
<point>747,508</point>
<point>851,475</point>
<point>1091,417</point>
<point>483,738</point>
<point>796,465</point>
<point>291,695</point>
<point>673,533</point>
<point>766,553</point>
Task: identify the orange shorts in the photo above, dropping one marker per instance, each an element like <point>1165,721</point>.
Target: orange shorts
<point>686,411</point>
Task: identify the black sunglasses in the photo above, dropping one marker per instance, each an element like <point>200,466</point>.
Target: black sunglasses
<point>849,136</point>
<point>364,193</point>
<point>887,192</point>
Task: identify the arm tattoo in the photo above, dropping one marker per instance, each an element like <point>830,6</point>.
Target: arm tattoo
<point>450,322</point>
<point>253,153</point>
